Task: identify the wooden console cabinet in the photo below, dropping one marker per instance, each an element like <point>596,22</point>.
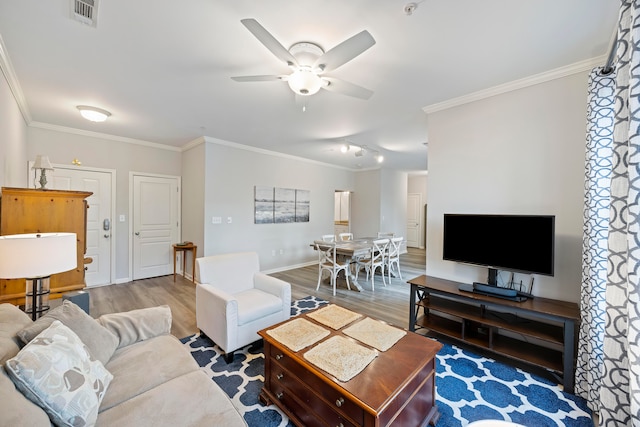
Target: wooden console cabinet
<point>26,210</point>
<point>538,331</point>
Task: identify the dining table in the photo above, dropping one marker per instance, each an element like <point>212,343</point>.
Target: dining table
<point>354,249</point>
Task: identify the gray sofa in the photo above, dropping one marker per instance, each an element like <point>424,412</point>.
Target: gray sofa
<point>150,378</point>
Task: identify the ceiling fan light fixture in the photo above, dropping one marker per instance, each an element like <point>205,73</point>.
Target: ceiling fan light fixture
<point>93,114</point>
<point>304,82</point>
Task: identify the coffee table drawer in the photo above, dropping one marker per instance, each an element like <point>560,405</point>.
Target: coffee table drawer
<point>283,379</point>
<point>287,398</point>
<point>337,402</point>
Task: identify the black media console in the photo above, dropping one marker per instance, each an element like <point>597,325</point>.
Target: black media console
<point>537,331</point>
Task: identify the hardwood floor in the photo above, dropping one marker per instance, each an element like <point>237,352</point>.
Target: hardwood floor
<point>390,303</point>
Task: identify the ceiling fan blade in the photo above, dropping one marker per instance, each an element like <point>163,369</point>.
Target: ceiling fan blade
<point>269,41</point>
<point>346,88</point>
<point>258,78</point>
<point>345,52</point>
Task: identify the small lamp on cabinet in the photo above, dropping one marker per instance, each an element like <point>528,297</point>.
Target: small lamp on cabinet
<point>36,257</point>
<point>42,163</point>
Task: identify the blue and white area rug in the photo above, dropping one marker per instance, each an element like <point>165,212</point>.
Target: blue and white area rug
<point>468,387</point>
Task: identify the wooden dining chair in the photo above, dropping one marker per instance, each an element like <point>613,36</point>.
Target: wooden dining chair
<point>329,261</point>
<point>393,256</point>
<point>373,260</point>
<point>344,237</point>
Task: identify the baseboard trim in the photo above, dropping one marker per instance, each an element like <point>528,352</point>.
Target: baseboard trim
<point>290,267</point>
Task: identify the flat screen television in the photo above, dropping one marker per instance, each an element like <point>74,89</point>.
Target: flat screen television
<point>518,243</point>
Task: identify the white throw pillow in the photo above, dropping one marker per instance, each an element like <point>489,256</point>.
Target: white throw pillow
<point>56,372</point>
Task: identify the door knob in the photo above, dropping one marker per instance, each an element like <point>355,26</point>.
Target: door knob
<point>106,235</point>
<point>137,233</point>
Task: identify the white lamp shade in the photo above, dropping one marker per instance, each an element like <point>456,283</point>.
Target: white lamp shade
<point>37,255</point>
<point>42,162</point>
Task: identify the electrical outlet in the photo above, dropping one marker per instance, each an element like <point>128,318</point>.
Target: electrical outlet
<point>273,252</point>
<point>216,220</point>
<point>281,251</point>
<point>229,220</point>
<point>122,218</point>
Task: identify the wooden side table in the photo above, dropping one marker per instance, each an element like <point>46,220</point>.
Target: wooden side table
<point>184,248</point>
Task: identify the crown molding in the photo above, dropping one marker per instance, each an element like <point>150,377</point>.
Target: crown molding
<point>12,81</point>
<point>210,140</point>
<point>107,136</point>
<point>557,73</point>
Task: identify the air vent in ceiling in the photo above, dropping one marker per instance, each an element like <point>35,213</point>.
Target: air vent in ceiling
<point>85,11</point>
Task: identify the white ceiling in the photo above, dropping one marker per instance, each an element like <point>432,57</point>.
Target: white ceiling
<point>163,68</point>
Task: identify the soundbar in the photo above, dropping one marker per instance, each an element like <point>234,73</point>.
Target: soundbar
<point>494,290</point>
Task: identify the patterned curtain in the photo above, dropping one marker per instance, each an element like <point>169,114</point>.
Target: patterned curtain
<point>620,383</point>
<point>600,116</point>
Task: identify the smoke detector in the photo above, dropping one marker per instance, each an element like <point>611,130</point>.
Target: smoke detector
<point>85,11</point>
<point>409,8</point>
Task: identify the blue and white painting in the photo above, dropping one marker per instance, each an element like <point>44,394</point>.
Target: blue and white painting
<point>285,205</point>
<point>302,205</point>
<point>263,205</point>
<point>281,205</point>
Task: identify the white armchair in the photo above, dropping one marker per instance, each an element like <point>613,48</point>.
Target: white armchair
<point>234,300</point>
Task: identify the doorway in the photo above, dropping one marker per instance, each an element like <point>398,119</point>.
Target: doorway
<point>414,220</point>
<point>155,223</point>
<point>342,212</point>
<point>100,226</point>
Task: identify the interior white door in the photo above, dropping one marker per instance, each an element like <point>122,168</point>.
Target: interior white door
<point>414,201</point>
<point>99,221</point>
<point>156,224</point>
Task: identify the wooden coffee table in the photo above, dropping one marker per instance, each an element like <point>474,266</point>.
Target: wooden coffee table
<point>397,388</point>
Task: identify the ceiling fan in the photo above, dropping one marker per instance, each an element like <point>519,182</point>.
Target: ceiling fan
<point>309,63</point>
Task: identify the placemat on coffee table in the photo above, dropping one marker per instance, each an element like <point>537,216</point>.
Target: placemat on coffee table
<point>334,316</point>
<point>375,333</point>
<point>298,333</point>
<point>341,357</point>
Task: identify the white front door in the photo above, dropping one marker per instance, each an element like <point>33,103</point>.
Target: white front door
<point>414,200</point>
<point>99,215</point>
<point>156,224</point>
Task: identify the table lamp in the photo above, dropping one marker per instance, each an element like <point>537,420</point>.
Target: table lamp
<point>35,257</point>
<point>42,163</point>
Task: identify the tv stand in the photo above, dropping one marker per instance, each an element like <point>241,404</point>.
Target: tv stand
<point>539,331</point>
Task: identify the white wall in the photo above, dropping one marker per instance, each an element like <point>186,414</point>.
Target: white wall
<point>231,172</point>
<point>393,202</point>
<point>517,153</point>
<point>379,203</point>
<point>13,140</point>
<point>193,193</point>
<point>63,147</point>
<point>365,204</point>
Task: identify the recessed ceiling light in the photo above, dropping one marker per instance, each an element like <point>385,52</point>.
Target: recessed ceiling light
<point>93,113</point>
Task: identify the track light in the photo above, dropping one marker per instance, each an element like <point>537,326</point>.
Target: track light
<point>344,148</point>
<point>379,157</point>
